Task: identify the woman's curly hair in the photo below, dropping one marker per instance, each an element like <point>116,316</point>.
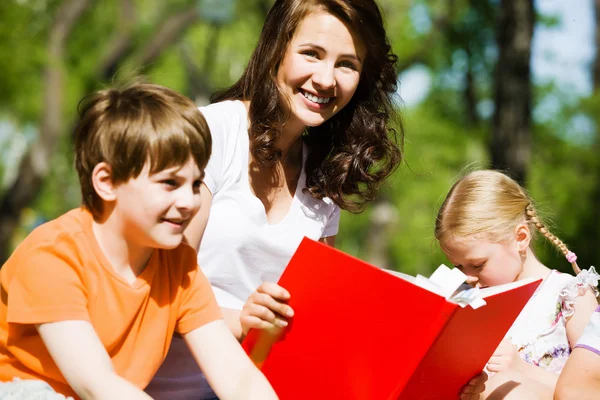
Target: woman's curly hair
<point>352,153</point>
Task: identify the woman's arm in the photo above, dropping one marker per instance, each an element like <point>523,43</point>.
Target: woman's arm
<point>232,320</point>
<point>329,240</point>
<point>82,359</point>
<point>194,231</point>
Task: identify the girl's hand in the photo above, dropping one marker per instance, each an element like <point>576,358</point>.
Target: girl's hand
<point>475,387</point>
<point>504,358</point>
<point>266,308</point>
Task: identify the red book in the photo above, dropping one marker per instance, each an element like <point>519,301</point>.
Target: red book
<point>360,332</point>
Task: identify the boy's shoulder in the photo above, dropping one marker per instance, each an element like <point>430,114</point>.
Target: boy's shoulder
<point>61,236</point>
<point>64,228</point>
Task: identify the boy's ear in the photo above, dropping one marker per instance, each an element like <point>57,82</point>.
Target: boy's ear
<point>102,181</point>
<point>522,236</point>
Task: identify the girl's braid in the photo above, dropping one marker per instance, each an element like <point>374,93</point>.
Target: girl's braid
<point>532,216</point>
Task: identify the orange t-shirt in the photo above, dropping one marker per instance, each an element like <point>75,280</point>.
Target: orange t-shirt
<point>59,273</point>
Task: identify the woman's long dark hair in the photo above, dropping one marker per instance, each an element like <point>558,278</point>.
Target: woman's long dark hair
<point>351,154</point>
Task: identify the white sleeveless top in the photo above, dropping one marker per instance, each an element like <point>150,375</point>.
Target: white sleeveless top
<point>540,332</point>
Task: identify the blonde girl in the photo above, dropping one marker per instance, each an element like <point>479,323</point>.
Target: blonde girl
<point>485,227</point>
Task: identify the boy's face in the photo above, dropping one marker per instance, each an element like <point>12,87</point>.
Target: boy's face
<point>154,210</point>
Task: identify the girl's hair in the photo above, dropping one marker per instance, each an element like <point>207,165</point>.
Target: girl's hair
<point>490,204</point>
<point>354,151</point>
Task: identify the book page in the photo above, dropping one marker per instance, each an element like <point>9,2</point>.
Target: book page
<point>418,280</point>
<point>402,275</point>
<point>444,281</point>
<point>450,284</point>
<point>449,280</point>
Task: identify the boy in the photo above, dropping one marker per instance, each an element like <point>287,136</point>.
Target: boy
<point>90,301</point>
<point>580,379</point>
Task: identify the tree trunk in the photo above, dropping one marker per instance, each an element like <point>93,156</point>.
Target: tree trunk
<point>36,162</point>
<point>596,72</point>
<point>384,218</point>
<point>167,33</point>
<point>121,44</point>
<point>469,93</point>
<point>199,83</point>
<point>510,146</point>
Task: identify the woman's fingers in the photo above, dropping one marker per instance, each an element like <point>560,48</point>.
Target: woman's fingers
<point>261,311</point>
<point>273,298</point>
<point>274,290</point>
<point>266,308</point>
<point>251,322</point>
<point>257,316</point>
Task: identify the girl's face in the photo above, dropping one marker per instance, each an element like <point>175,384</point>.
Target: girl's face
<point>486,263</point>
<point>321,69</point>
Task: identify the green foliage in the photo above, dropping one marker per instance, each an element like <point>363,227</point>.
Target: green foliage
<point>565,173</point>
<point>448,38</point>
<point>23,34</point>
<point>436,149</point>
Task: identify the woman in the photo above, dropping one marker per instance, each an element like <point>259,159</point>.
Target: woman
<point>304,133</point>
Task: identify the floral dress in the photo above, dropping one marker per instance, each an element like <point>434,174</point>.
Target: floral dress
<point>540,332</point>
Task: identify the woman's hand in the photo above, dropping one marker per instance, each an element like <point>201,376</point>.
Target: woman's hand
<point>504,358</point>
<point>266,308</point>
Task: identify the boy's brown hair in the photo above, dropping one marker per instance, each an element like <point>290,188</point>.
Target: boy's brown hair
<point>128,128</point>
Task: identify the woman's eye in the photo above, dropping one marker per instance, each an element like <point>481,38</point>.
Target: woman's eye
<point>478,266</point>
<point>311,53</point>
<point>347,64</point>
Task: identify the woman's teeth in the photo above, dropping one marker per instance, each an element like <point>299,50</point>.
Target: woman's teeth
<point>316,99</point>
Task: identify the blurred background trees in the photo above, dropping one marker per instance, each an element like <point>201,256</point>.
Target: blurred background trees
<point>481,108</point>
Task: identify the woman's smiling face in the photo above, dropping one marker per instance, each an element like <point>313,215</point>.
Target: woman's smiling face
<point>321,69</point>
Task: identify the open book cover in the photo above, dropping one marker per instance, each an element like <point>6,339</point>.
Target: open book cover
<point>360,332</point>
